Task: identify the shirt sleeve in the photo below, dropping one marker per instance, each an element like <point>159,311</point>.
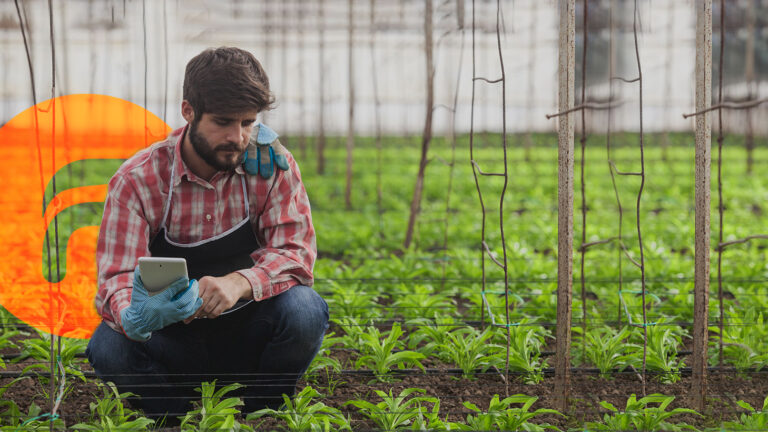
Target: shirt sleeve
<point>289,250</point>
<point>123,238</point>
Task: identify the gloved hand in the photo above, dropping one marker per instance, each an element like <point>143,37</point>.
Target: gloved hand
<point>255,163</point>
<point>147,314</point>
<point>260,156</point>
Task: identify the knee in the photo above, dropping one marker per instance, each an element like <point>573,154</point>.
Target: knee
<point>112,354</point>
<point>304,313</point>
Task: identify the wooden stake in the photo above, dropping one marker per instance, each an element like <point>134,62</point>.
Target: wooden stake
<point>567,71</point>
<point>703,198</point>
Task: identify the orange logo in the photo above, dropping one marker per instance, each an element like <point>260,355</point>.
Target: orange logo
<point>46,140</point>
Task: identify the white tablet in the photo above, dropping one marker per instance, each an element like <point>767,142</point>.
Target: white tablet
<point>159,272</point>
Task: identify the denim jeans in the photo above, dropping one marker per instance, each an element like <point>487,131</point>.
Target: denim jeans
<point>265,345</point>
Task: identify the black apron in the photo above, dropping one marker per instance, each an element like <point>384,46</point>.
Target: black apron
<point>217,256</point>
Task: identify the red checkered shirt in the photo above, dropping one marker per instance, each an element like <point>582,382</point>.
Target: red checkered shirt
<point>200,210</point>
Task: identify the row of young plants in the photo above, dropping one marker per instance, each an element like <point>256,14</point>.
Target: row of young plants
<point>411,409</point>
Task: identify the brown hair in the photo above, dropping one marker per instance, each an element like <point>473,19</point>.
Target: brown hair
<point>226,80</point>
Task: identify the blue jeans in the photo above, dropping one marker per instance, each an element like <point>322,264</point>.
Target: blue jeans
<point>266,346</point>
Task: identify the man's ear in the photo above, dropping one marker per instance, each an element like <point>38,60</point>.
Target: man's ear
<point>187,111</point>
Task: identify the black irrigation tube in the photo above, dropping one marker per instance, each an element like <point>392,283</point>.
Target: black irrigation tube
<point>548,372</point>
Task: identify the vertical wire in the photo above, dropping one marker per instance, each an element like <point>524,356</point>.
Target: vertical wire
<point>620,240</point>
<point>54,370</point>
<point>146,68</point>
<point>321,92</point>
<point>377,120</point>
<point>453,160</point>
<point>720,206</point>
<point>583,142</point>
<point>640,195</point>
<point>165,69</point>
<point>474,169</point>
<point>504,189</point>
<point>351,110</point>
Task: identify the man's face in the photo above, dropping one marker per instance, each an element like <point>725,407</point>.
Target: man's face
<point>221,139</point>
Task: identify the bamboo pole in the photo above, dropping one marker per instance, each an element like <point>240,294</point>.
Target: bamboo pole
<point>566,73</point>
<point>703,199</point>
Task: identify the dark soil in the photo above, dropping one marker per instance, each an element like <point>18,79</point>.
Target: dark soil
<point>586,392</point>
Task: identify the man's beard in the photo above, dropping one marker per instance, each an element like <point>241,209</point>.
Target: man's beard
<point>207,153</point>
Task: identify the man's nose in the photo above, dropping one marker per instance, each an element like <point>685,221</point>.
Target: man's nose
<point>236,133</point>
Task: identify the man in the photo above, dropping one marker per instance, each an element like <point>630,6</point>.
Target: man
<point>224,194</point>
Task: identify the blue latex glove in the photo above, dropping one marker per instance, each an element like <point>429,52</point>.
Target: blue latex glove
<point>147,314</point>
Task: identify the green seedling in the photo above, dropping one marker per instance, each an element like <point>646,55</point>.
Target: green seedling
<point>39,349</point>
<point>379,356</point>
<point>525,342</point>
<point>5,340</point>
<point>752,420</point>
<point>744,340</point>
<point>500,416</point>
<point>347,302</point>
<point>469,349</point>
<point>323,361</point>
<point>394,412</point>
<point>429,334</point>
<point>427,420</point>
<point>639,416</point>
<point>608,350</point>
<point>354,331</point>
<point>108,413</point>
<point>34,420</point>
<point>212,413</point>
<point>420,300</point>
<point>300,414</point>
<point>663,343</point>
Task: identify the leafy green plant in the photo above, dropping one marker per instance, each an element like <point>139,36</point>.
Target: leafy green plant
<point>429,420</point>
<point>348,302</point>
<point>469,349</point>
<point>500,416</point>
<point>379,355</point>
<point>525,342</point>
<point>5,340</point>
<point>39,349</point>
<point>744,340</point>
<point>354,331</point>
<point>322,360</point>
<point>663,343</point>
<point>639,416</point>
<point>421,299</point>
<point>429,334</point>
<point>300,414</point>
<point>109,414</point>
<point>212,413</point>
<point>394,412</point>
<point>607,349</point>
<point>752,420</point>
<point>34,420</point>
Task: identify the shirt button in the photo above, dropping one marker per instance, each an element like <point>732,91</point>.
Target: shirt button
<point>208,217</point>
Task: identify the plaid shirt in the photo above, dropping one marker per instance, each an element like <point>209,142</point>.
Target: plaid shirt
<point>200,210</point>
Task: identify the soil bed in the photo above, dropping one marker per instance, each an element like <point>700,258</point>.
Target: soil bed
<point>586,392</point>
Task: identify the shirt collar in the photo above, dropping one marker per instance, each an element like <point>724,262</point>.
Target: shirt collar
<point>181,168</point>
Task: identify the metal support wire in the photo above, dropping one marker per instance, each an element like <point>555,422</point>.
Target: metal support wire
<point>476,170</point>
